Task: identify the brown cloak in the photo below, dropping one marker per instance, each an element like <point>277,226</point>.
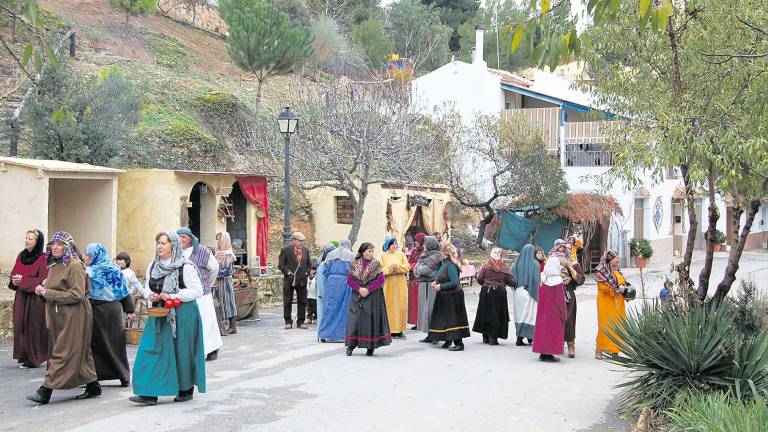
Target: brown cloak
<point>70,321</point>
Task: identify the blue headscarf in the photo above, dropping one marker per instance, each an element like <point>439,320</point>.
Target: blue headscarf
<point>195,240</point>
<point>527,271</point>
<point>107,280</point>
<point>388,242</point>
<point>326,250</point>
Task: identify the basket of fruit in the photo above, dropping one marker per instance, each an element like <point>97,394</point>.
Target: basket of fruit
<point>159,312</point>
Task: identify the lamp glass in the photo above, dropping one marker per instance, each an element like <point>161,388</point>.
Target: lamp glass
<point>287,121</point>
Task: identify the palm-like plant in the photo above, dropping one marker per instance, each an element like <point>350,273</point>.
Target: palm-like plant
<point>677,346</point>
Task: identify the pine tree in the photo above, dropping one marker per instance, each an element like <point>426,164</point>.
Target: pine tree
<point>263,40</point>
<point>134,7</point>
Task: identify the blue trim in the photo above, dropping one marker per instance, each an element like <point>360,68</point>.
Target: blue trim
<point>562,117</point>
<point>556,101</point>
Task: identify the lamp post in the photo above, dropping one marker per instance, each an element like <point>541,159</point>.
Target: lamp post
<point>288,121</point>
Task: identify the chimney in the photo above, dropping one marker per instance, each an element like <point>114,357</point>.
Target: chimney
<point>477,56</point>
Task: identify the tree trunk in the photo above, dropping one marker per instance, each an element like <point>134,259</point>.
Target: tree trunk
<point>483,223</point>
<point>259,82</point>
<point>684,268</point>
<point>713,214</point>
<point>357,219</point>
<point>736,249</point>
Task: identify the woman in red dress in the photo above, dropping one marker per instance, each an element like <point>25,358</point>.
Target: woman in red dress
<point>30,335</point>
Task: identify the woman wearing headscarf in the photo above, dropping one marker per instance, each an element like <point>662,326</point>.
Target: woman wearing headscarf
<point>69,318</point>
<point>336,294</point>
<point>425,270</point>
<point>527,273</point>
<point>320,282</point>
<point>449,321</point>
<point>30,335</point>
<point>207,269</point>
<point>549,331</point>
<point>394,265</point>
<point>171,356</point>
<point>109,298</point>
<point>224,288</point>
<point>413,281</point>
<point>541,257</point>
<point>576,280</point>
<point>610,302</point>
<point>492,318</point>
<point>367,325</point>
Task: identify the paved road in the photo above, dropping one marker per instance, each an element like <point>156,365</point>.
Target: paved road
<point>270,379</point>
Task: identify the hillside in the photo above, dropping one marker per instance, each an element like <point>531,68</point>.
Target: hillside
<point>195,97</point>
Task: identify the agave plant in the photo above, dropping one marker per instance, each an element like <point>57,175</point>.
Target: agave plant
<point>674,347</point>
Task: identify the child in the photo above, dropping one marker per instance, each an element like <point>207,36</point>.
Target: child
<point>123,260</point>
<point>312,295</point>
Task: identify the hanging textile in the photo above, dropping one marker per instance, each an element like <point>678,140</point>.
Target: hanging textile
<point>515,231</point>
<point>255,191</point>
<point>401,218</point>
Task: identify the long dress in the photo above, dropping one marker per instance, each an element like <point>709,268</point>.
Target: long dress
<point>413,288</point>
<point>610,309</point>
<point>367,325</point>
<point>320,294</point>
<point>570,321</point>
<point>492,318</point>
<point>108,343</point>
<point>429,262</point>
<point>165,365</point>
<point>336,295</point>
<point>449,320</point>
<point>30,334</point>
<point>207,268</point>
<point>224,292</point>
<point>549,333</point>
<point>524,308</point>
<point>396,289</point>
<point>70,320</point>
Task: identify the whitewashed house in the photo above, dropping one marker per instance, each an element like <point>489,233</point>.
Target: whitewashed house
<point>571,125</point>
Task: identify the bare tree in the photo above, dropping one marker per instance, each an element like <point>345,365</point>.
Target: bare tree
<point>351,135</point>
<point>495,163</point>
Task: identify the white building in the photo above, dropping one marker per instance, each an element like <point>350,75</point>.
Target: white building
<point>571,125</point>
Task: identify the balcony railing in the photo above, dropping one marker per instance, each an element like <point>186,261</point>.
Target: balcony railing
<point>584,141</point>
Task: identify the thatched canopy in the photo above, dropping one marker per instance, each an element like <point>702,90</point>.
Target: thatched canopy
<point>589,209</point>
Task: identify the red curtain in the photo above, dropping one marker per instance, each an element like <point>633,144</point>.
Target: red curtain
<point>255,191</point>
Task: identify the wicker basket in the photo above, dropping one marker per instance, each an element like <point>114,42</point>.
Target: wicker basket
<point>133,334</point>
<point>158,312</point>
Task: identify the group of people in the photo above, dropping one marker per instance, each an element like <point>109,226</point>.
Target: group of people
<point>366,302</point>
<point>70,309</point>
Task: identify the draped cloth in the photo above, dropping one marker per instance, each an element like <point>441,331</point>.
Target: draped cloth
<point>255,191</point>
<point>107,280</point>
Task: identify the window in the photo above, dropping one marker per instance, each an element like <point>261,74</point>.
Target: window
<point>345,210</point>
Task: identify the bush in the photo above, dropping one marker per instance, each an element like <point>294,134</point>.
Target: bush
<point>640,248</point>
<point>679,346</point>
<point>719,237</point>
<point>84,119</point>
<point>747,321</point>
<point>717,412</point>
<point>168,50</point>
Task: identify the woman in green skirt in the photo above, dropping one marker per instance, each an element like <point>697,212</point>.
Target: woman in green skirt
<point>171,357</point>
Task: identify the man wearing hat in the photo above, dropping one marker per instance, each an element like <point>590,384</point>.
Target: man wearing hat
<point>294,263</point>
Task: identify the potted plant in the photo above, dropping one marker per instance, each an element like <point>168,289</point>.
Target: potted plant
<point>719,240</point>
<point>641,251</point>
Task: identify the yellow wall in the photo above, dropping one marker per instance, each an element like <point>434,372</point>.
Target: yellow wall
<point>373,228</point>
<point>149,201</point>
<point>24,206</point>
<point>84,208</point>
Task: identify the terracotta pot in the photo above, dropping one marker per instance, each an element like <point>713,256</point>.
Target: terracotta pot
<point>717,247</point>
<point>640,262</point>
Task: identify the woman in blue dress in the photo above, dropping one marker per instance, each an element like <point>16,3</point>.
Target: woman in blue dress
<point>171,356</point>
<point>336,294</point>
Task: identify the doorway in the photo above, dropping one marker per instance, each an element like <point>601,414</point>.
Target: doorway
<point>237,226</point>
<point>201,215</point>
<point>678,226</point>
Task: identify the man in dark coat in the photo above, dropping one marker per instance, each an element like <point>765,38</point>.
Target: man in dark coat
<point>294,263</point>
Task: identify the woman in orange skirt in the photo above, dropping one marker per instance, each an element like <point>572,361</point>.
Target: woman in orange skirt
<point>610,302</point>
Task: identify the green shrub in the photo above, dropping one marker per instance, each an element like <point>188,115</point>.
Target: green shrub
<point>717,412</point>
<point>168,50</point>
<point>746,308</point>
<point>719,237</point>
<point>681,346</point>
<point>640,248</point>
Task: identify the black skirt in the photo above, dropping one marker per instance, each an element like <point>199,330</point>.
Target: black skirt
<point>449,316</point>
<point>108,342</point>
<point>367,325</point>
<point>492,316</point>
<point>570,321</point>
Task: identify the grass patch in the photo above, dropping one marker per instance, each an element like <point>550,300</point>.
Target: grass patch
<point>168,50</point>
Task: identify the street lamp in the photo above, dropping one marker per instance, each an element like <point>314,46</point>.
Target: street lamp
<point>287,121</point>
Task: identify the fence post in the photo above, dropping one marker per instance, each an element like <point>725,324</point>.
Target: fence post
<point>72,43</point>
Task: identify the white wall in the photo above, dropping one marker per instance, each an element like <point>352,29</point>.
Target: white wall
<point>24,206</point>
<point>471,89</point>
